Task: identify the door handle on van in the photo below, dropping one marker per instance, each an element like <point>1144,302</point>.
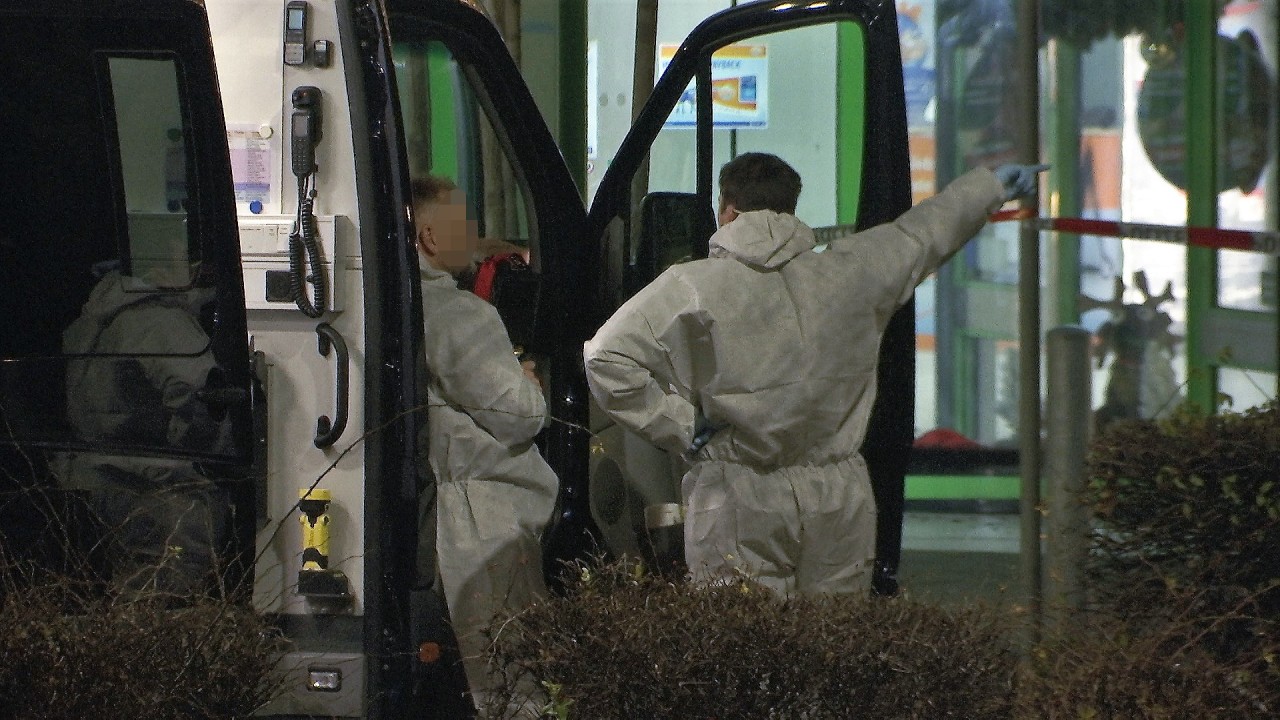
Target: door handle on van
<point>328,432</point>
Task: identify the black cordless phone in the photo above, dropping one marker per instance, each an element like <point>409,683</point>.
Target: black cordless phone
<point>305,129</point>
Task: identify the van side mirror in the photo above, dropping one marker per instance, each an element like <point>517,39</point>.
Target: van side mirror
<point>674,228</point>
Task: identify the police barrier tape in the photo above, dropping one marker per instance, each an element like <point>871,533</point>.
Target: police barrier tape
<point>1214,238</point>
<point>1206,237</point>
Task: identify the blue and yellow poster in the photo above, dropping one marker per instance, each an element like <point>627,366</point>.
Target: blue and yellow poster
<point>739,88</point>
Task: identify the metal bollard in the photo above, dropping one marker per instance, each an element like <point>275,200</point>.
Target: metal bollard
<point>1069,420</point>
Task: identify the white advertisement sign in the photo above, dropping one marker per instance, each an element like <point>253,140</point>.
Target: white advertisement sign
<point>739,88</point>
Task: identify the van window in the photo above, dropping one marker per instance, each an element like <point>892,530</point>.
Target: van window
<point>817,126</point>
<point>448,133</point>
<point>98,239</point>
<point>153,169</point>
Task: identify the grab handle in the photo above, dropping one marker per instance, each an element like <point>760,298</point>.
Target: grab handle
<point>328,432</point>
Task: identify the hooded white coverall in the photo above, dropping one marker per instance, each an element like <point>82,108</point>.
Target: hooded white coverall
<point>494,492</point>
<point>776,341</point>
<point>164,519</point>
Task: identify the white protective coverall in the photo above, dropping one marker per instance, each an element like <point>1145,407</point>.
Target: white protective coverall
<point>776,341</point>
<point>494,492</point>
<point>164,520</point>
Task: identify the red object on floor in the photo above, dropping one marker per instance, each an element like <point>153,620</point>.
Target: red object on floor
<point>945,438</point>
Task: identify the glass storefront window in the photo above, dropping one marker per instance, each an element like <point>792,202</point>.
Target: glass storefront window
<point>1125,106</point>
<point>1249,110</point>
<point>1246,388</point>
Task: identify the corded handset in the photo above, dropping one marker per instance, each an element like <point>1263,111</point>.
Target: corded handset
<point>305,129</point>
<point>304,249</point>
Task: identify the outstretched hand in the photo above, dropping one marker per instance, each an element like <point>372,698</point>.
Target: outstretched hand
<point>1019,180</point>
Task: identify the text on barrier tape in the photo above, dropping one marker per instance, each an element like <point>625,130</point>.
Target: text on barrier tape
<point>1215,238</point>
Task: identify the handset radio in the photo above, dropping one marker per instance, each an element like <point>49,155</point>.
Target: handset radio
<point>305,129</point>
<point>306,263</point>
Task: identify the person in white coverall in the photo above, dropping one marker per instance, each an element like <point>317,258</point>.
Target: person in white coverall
<point>494,493</point>
<point>759,364</point>
<point>141,358</point>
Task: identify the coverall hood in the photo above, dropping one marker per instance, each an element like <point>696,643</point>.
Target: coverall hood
<point>762,239</point>
<point>155,356</point>
<point>115,292</point>
<point>436,277</point>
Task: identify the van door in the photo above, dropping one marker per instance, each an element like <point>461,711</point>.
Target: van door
<point>462,111</point>
<point>124,361</point>
<point>819,84</point>
<point>468,115</point>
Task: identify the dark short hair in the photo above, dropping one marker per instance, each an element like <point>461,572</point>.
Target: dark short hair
<point>429,188</point>
<point>760,181</point>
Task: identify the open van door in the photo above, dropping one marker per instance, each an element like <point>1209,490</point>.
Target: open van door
<point>444,96</point>
<point>467,114</point>
<point>123,351</point>
<point>819,84</point>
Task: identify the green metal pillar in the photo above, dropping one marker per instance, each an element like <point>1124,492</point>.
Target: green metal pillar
<point>1202,196</point>
<point>850,81</point>
<point>573,89</point>
<point>444,127</point>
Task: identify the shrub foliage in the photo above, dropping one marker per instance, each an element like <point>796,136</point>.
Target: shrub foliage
<point>69,651</point>
<point>1105,667</point>
<point>1189,503</point>
<point>1182,622</point>
<point>621,644</point>
<point>625,645</point>
<point>1183,575</point>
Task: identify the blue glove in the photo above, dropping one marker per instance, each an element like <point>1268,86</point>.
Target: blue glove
<point>1019,180</point>
<point>702,432</point>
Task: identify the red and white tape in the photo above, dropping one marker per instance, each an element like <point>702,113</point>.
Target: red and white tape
<point>1215,238</point>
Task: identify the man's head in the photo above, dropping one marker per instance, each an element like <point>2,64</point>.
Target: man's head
<point>757,181</point>
<point>446,235</point>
